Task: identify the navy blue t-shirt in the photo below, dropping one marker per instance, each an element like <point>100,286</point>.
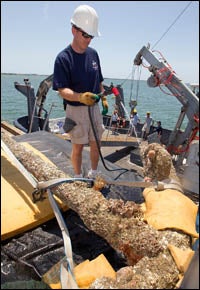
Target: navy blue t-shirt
<point>81,72</point>
<point>159,130</point>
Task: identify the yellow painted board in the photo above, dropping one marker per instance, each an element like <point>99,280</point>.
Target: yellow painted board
<point>18,212</point>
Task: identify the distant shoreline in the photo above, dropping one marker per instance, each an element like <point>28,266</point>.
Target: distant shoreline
<point>23,74</point>
<point>31,74</point>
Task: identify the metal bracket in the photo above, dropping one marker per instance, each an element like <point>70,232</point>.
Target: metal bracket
<point>38,195</point>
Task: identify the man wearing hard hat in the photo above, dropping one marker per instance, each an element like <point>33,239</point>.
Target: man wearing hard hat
<point>78,79</point>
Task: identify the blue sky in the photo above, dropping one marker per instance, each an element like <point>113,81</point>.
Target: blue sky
<point>33,32</point>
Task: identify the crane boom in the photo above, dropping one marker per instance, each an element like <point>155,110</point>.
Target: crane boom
<point>162,74</point>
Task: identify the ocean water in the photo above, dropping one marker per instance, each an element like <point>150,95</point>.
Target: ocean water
<point>163,107</point>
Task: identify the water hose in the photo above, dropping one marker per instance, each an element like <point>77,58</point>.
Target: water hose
<point>98,146</point>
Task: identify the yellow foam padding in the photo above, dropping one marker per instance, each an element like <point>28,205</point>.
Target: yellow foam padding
<point>85,273</point>
<point>18,212</point>
<point>52,277</point>
<point>181,257</point>
<point>170,209</point>
<point>143,206</point>
<point>55,285</point>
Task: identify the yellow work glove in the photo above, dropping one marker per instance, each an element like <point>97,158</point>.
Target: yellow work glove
<point>104,102</point>
<point>105,105</point>
<point>87,98</point>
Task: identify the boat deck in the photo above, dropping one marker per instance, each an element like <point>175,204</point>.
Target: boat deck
<point>58,151</point>
<point>110,139</point>
<point>36,251</point>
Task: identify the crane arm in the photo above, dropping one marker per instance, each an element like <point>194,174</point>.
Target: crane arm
<point>162,74</point>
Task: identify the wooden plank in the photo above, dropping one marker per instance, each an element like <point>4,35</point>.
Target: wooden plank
<point>12,129</point>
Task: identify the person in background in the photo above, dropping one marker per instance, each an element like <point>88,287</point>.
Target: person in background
<point>159,129</point>
<point>122,122</point>
<point>156,135</point>
<point>134,122</point>
<point>78,79</point>
<point>147,125</point>
<point>114,122</point>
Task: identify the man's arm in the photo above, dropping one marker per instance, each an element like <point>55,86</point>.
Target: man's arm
<point>69,95</point>
<point>86,98</point>
<point>101,87</point>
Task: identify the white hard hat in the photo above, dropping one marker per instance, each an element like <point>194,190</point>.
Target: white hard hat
<point>86,18</point>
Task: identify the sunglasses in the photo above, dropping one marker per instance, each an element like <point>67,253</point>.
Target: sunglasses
<point>84,34</point>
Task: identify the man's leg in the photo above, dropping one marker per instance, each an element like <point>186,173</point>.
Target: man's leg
<point>76,157</point>
<point>147,133</point>
<point>143,134</point>
<point>94,155</point>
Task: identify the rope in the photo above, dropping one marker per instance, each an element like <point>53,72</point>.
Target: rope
<point>125,79</point>
<point>160,77</point>
<point>169,79</point>
<point>131,89</point>
<point>138,81</point>
<point>132,82</point>
<point>172,23</point>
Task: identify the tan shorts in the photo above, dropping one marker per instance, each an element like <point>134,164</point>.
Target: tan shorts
<point>82,133</point>
<point>146,129</point>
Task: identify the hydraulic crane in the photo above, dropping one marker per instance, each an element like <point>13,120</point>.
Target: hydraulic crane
<point>162,74</point>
